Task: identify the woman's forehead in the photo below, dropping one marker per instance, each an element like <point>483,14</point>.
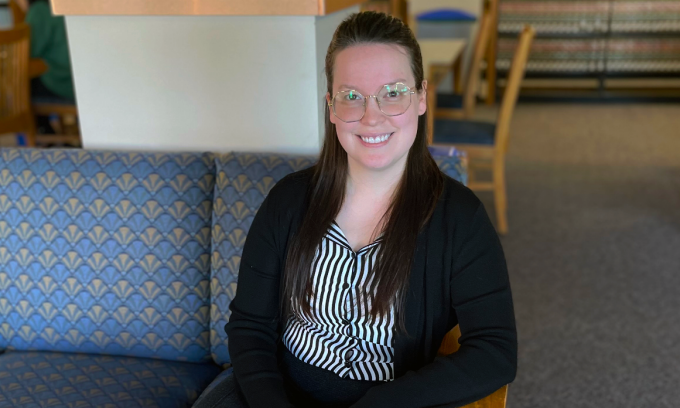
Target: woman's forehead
<point>368,66</point>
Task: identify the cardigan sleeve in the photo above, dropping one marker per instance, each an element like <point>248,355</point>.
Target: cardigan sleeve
<point>252,328</point>
<point>487,358</point>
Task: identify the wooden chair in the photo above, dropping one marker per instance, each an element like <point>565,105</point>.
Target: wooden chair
<point>18,13</point>
<point>15,95</point>
<point>66,127</point>
<point>36,66</point>
<point>496,400</point>
<point>487,143</point>
<point>462,106</point>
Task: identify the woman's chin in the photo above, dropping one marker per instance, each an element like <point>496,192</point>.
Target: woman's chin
<point>375,162</point>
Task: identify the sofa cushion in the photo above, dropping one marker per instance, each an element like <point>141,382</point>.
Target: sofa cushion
<point>106,252</point>
<point>453,164</point>
<point>243,181</point>
<point>37,379</point>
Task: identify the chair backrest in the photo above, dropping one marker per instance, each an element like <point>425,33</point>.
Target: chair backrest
<point>18,13</point>
<point>481,45</point>
<point>515,75</point>
<point>14,81</point>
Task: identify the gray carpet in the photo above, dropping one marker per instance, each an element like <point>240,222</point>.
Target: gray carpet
<point>594,254</point>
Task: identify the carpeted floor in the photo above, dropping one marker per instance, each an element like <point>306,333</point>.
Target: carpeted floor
<point>594,254</point>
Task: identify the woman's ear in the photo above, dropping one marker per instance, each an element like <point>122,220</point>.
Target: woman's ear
<point>422,99</point>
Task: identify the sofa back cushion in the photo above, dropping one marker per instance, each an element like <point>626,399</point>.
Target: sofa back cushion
<point>243,181</point>
<point>106,252</point>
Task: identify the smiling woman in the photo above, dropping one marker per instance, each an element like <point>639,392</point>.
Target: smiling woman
<point>354,270</point>
<point>394,113</point>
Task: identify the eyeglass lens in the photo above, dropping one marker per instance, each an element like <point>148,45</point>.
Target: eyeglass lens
<point>393,100</point>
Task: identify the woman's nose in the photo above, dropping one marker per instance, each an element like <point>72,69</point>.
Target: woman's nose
<point>373,114</point>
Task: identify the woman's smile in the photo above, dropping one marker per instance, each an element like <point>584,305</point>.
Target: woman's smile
<point>375,139</point>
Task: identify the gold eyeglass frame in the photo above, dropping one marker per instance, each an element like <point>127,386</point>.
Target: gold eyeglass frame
<point>367,98</point>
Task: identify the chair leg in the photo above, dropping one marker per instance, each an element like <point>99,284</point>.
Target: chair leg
<point>500,196</point>
<point>30,133</point>
<point>472,177</point>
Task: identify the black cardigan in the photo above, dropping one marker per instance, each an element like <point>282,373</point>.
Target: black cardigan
<point>459,276</point>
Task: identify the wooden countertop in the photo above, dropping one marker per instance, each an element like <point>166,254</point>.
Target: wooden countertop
<point>201,7</point>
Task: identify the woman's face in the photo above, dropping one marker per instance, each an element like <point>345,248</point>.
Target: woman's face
<point>366,69</point>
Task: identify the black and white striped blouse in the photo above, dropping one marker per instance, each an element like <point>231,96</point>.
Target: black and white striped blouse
<point>339,336</point>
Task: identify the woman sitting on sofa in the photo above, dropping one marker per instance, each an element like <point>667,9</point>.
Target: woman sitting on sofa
<point>354,270</point>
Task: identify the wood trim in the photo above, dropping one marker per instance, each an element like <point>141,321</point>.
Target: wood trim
<point>200,7</point>
<point>331,6</point>
<point>50,139</point>
<point>54,108</point>
<point>398,9</point>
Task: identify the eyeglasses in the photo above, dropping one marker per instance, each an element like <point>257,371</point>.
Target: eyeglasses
<point>393,100</point>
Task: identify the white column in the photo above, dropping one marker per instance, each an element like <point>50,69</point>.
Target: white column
<point>215,83</point>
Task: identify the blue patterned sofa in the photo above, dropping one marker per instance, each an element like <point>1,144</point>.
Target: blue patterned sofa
<point>117,270</point>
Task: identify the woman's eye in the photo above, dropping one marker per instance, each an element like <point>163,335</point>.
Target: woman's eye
<point>393,94</point>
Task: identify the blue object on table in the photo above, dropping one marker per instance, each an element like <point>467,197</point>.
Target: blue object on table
<point>21,139</point>
<point>445,23</point>
<point>446,15</point>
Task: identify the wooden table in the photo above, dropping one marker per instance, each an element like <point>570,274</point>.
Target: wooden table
<point>439,57</point>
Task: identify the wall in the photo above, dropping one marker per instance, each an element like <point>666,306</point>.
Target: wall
<point>325,27</point>
<point>200,83</point>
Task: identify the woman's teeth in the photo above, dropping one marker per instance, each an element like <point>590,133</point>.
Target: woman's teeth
<point>377,139</point>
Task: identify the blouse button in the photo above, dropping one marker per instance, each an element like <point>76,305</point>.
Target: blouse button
<point>348,364</point>
<point>345,286</point>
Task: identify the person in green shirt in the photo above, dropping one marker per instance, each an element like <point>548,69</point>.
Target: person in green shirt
<point>49,43</point>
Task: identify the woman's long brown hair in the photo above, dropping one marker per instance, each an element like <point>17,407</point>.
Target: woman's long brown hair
<point>412,203</point>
